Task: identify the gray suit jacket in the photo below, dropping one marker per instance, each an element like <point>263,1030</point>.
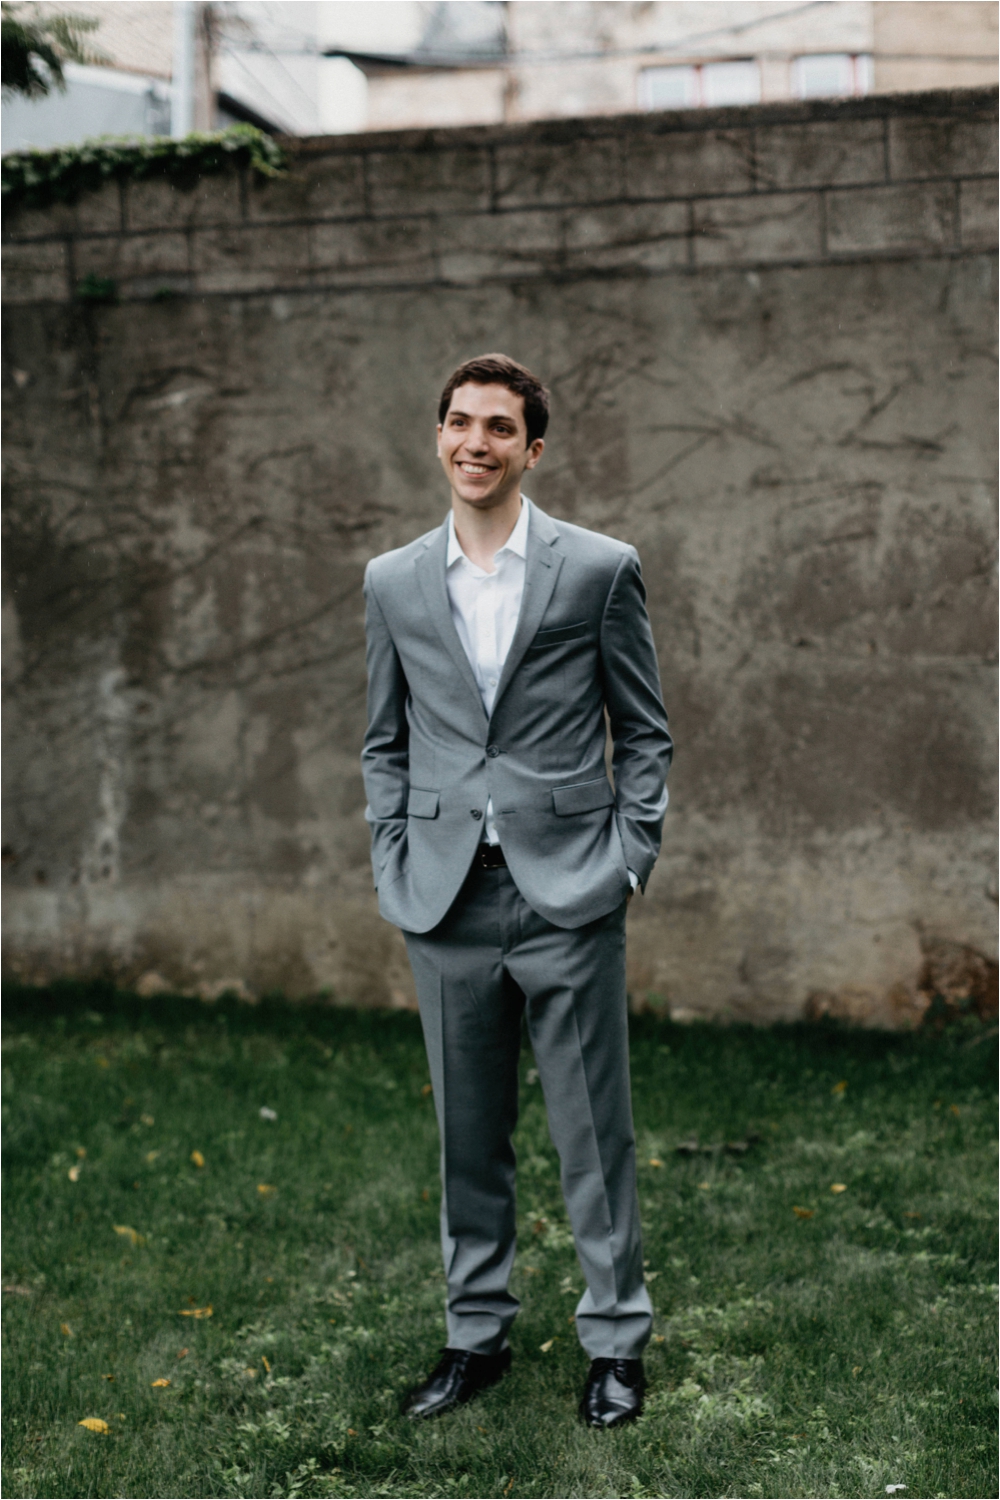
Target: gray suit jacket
<point>432,758</point>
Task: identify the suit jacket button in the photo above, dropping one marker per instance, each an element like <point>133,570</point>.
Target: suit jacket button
<point>492,751</point>
<point>476,812</point>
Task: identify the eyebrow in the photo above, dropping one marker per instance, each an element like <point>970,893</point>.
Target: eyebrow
<point>497,416</point>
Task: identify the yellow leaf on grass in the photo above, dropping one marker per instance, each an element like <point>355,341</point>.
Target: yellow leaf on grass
<point>196,1312</point>
<point>94,1424</point>
<point>654,1161</point>
<point>160,1382</point>
<point>81,1152</point>
<point>74,1173</point>
<point>265,1363</point>
<point>147,1119</point>
<point>129,1233</point>
<point>265,1189</point>
<point>65,1330</point>
<point>197,1158</point>
<point>107,1377</point>
<point>839,1088</point>
<point>428,1088</point>
<point>251,1372</point>
<point>544,1348</point>
<point>954,1109</point>
<point>838,1187</point>
<point>803,1213</point>
<point>704,1186</point>
<point>151,1156</point>
<point>182,1354</point>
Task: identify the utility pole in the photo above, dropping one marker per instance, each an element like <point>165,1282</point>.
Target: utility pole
<point>182,105</point>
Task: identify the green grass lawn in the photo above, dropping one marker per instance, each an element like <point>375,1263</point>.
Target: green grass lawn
<point>834,1354</point>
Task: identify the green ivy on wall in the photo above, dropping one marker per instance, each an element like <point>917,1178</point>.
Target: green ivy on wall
<point>36,179</point>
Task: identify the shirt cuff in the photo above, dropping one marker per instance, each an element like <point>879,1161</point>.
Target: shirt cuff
<point>633,877</point>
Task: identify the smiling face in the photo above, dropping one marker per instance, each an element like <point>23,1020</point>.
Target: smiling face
<point>483,445</point>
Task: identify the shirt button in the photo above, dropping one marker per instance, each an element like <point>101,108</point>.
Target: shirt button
<point>476,813</point>
<point>492,751</point>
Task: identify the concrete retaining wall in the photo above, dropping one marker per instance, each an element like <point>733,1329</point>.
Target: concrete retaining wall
<point>768,335</point>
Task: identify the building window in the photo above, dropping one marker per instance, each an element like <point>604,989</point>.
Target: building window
<point>700,86</point>
<point>831,75</point>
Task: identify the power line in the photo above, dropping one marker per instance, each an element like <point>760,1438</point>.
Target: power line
<point>290,76</point>
<point>280,107</point>
<point>682,44</point>
<point>457,60</point>
<point>515,59</point>
<point>233,49</point>
<point>445,57</point>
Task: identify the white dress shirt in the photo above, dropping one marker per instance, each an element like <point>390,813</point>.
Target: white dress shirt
<point>485,607</point>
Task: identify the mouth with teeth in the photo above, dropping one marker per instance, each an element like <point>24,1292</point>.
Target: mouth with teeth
<point>475,470</point>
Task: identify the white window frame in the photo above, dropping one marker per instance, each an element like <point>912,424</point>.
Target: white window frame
<point>861,71</point>
<point>696,73</point>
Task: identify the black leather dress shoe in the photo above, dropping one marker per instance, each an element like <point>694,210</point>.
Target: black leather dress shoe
<point>456,1378</point>
<point>613,1393</point>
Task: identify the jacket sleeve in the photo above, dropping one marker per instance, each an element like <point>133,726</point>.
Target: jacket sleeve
<point>642,745</point>
<point>385,758</point>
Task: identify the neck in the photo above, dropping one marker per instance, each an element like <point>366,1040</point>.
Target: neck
<point>481,533</point>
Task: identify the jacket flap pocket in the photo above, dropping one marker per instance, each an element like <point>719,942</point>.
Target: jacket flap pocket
<point>588,796</point>
<point>422,804</point>
<point>543,638</point>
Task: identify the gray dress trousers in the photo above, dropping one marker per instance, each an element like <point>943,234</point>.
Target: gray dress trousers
<point>490,961</point>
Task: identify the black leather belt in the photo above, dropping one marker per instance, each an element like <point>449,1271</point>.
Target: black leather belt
<point>490,857</point>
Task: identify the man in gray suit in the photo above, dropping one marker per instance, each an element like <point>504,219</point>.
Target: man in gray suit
<point>497,643</point>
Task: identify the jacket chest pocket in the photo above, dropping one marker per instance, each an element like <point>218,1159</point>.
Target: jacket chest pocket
<point>543,639</point>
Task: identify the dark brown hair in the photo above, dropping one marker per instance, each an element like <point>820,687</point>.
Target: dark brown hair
<point>500,369</point>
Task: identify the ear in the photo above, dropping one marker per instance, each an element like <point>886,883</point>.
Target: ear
<point>535,451</point>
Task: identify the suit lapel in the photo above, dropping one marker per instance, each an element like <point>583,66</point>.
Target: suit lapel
<point>430,568</point>
<point>541,571</point>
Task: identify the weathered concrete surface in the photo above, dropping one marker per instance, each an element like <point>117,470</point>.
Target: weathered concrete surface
<point>800,445</point>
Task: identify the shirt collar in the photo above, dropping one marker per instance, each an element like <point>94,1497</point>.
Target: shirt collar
<point>517,542</point>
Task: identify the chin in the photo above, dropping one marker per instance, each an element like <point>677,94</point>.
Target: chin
<point>476,497</point>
